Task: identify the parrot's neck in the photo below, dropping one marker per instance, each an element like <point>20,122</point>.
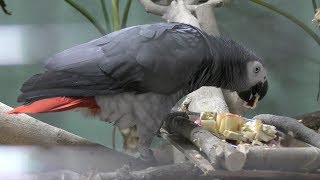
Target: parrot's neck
<point>225,66</point>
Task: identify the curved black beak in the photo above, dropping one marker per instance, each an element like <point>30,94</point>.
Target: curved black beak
<point>260,89</point>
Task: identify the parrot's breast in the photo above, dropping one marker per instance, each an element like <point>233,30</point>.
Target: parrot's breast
<point>128,109</point>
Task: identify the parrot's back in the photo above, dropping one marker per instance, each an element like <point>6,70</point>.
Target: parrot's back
<point>156,58</point>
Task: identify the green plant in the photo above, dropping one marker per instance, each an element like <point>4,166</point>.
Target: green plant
<point>3,7</point>
<point>291,17</point>
<point>116,24</point>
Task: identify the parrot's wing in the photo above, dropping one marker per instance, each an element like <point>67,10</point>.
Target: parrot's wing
<point>161,58</point>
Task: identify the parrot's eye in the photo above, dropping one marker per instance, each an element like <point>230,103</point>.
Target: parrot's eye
<point>257,69</point>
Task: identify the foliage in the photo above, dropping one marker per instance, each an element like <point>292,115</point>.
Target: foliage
<point>291,17</point>
<point>116,24</point>
<point>3,7</point>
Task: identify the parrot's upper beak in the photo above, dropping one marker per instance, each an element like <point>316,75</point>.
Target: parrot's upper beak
<point>257,91</point>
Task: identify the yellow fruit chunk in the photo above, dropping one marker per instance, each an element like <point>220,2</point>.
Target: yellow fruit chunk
<point>209,125</point>
<point>208,115</point>
<point>230,122</point>
<point>233,135</point>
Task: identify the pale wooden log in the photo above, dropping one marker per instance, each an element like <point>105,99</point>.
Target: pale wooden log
<point>189,150</point>
<point>218,152</point>
<point>186,171</point>
<point>284,159</point>
<point>24,129</point>
<point>287,124</point>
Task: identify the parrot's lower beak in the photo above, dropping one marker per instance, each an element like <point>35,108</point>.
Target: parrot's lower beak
<point>255,93</point>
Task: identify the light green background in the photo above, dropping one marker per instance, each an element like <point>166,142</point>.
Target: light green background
<point>47,27</point>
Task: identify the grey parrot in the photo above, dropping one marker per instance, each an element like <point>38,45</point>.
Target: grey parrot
<point>135,76</point>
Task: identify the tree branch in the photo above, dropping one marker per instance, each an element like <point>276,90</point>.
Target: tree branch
<point>287,124</point>
<point>209,3</point>
<point>23,129</point>
<point>160,10</point>
<point>284,158</point>
<point>219,153</point>
<point>153,8</point>
<point>186,171</point>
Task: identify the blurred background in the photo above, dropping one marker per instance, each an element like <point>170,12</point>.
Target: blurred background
<point>38,29</point>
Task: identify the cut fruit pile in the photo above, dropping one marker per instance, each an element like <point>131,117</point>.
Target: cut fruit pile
<point>234,127</point>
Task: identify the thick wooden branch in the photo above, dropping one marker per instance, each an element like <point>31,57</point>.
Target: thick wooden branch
<point>160,10</point>
<point>182,171</point>
<point>154,8</point>
<point>285,159</point>
<point>48,158</point>
<point>218,152</point>
<point>189,150</point>
<point>186,171</point>
<point>287,124</point>
<point>23,129</point>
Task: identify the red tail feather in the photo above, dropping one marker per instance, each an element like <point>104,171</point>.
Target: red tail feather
<point>57,104</point>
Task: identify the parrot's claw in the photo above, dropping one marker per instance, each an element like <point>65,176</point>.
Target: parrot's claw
<point>170,117</point>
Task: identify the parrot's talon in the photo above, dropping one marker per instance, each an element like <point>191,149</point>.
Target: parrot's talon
<point>172,116</point>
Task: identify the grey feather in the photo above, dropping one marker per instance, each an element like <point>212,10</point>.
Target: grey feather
<point>126,61</point>
<point>137,74</point>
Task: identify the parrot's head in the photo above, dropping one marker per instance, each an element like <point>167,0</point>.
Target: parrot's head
<point>239,69</point>
<point>257,82</point>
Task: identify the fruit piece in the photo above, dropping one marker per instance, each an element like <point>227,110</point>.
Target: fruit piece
<point>209,125</point>
<point>249,136</point>
<point>222,125</point>
<point>233,135</point>
<point>252,104</point>
<point>256,142</point>
<point>264,132</point>
<point>231,123</point>
<point>208,115</point>
<point>219,118</point>
<point>227,121</point>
